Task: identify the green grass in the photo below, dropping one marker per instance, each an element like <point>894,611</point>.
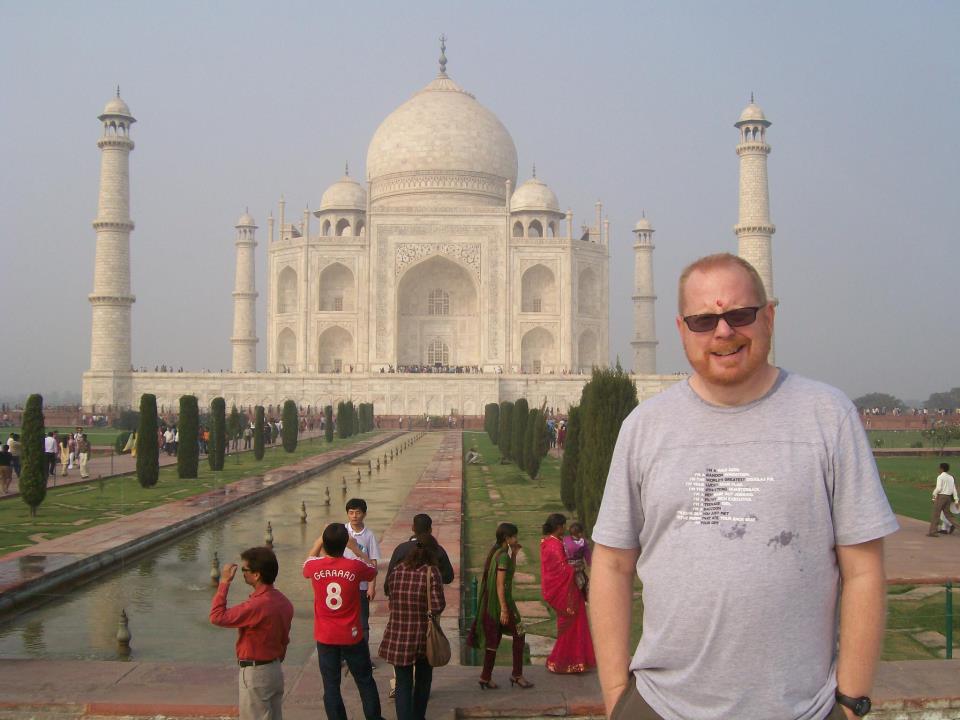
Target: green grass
<point>74,507</point>
<point>896,438</point>
<point>96,436</point>
<point>908,482</point>
<point>907,616</point>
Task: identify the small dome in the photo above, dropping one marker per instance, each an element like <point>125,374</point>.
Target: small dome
<point>752,113</point>
<point>345,194</point>
<point>642,225</point>
<point>246,220</point>
<point>116,106</point>
<point>534,195</point>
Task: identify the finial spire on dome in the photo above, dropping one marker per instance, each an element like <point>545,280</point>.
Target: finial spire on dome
<point>534,171</point>
<point>346,168</point>
<point>443,54</point>
<point>751,97</point>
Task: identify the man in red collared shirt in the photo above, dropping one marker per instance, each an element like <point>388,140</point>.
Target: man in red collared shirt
<point>264,624</point>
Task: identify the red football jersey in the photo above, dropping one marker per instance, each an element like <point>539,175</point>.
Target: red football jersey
<point>336,598</point>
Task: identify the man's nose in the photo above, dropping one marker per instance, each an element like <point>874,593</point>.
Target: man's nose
<point>723,329</point>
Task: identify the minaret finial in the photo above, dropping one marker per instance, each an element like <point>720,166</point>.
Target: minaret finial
<point>346,168</point>
<point>118,91</point>
<point>443,54</point>
<point>751,97</point>
<point>534,171</point>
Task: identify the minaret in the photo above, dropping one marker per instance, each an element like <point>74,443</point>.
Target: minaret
<point>644,301</point>
<point>754,229</point>
<point>244,338</point>
<point>111,298</point>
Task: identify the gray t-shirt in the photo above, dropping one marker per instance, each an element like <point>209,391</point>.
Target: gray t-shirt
<point>737,512</point>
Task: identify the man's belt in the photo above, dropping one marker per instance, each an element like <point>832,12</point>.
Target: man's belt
<point>254,663</point>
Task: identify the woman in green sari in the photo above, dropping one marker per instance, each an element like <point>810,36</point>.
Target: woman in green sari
<point>497,612</point>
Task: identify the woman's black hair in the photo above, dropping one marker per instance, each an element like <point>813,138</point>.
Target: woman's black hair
<point>576,526</point>
<point>425,552</point>
<point>553,522</point>
<point>504,530</point>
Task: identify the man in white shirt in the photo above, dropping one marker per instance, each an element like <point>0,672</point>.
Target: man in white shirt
<point>943,493</point>
<point>50,450</point>
<point>367,541</point>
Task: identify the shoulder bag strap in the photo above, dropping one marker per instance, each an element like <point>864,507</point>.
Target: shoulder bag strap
<point>429,593</point>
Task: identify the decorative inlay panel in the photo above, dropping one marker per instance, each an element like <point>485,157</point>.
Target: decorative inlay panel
<point>466,253</point>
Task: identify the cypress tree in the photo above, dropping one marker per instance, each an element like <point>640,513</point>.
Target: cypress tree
<point>539,442</point>
<point>328,423</point>
<point>344,424</point>
<point>571,457</point>
<point>218,433</point>
<point>234,426</point>
<point>492,422</point>
<point>611,397</point>
<point>148,446</point>
<point>33,462</point>
<point>258,433</point>
<point>291,426</point>
<point>355,416</point>
<point>520,411</point>
<point>188,427</point>
<point>506,430</point>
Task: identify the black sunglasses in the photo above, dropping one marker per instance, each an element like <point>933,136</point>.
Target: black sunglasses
<point>734,318</point>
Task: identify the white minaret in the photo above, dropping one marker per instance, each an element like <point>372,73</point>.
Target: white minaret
<point>111,298</point>
<point>754,229</point>
<point>644,301</point>
<point>244,338</point>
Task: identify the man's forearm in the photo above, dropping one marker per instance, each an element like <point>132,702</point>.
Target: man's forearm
<point>862,624</point>
<point>611,590</point>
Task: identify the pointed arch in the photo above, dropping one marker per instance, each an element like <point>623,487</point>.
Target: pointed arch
<point>536,350</point>
<point>335,350</point>
<point>343,227</point>
<point>518,229</point>
<point>588,292</point>
<point>538,290</point>
<point>287,300</point>
<point>588,350</point>
<point>535,229</point>
<point>337,289</point>
<point>286,350</point>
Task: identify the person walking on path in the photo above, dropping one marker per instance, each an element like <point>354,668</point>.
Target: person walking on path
<point>337,626</point>
<point>83,455</point>
<point>497,612</point>
<point>263,621</point>
<point>6,469</point>
<point>13,444</point>
<point>943,493</point>
<point>573,651</point>
<point>404,643</point>
<point>50,449</point>
<point>747,501</point>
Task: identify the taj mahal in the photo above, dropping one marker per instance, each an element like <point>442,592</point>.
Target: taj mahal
<point>438,285</point>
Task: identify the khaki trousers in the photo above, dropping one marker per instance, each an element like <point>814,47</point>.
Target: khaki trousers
<point>941,504</point>
<point>632,706</point>
<point>261,692</point>
<point>83,464</point>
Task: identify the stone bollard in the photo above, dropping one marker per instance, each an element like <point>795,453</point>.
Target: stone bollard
<point>326,496</point>
<point>123,631</point>
<point>268,536</point>
<point>215,570</point>
<point>378,464</point>
<point>303,512</point>
<point>358,474</point>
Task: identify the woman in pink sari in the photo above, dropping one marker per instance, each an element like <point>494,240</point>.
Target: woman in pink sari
<point>573,651</point>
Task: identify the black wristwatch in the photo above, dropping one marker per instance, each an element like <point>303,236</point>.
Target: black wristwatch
<point>860,705</point>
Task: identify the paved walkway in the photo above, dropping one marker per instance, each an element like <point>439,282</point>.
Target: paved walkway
<point>72,689</point>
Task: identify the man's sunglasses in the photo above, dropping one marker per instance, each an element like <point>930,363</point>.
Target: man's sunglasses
<point>734,318</point>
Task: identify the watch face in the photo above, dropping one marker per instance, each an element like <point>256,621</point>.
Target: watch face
<point>862,706</point>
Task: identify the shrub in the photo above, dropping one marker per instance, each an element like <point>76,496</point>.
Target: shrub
<point>148,445</point>
<point>291,426</point>
<point>127,420</point>
<point>328,423</point>
<point>121,442</point>
<point>218,433</point>
<point>188,446</point>
<point>33,462</point>
<point>258,433</point>
<point>520,411</point>
<point>506,430</point>
<point>344,423</point>
<point>571,457</point>
<point>491,422</point>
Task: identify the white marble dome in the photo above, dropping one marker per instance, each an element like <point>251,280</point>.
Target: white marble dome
<point>246,220</point>
<point>442,131</point>
<point>345,194</point>
<point>534,195</point>
<point>642,225</point>
<point>116,106</point>
<point>752,113</point>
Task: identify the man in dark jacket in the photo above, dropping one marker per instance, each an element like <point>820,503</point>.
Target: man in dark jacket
<point>422,523</point>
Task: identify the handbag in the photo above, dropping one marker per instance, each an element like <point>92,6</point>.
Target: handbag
<point>438,647</point>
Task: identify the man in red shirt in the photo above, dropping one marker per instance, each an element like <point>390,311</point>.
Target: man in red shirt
<point>337,626</point>
<point>264,623</point>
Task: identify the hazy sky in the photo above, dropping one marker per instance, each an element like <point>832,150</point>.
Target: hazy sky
<point>631,103</point>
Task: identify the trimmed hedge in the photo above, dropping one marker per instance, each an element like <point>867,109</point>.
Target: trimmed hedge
<point>218,433</point>
<point>258,433</point>
<point>188,429</point>
<point>291,426</point>
<point>148,445</point>
<point>33,461</point>
<point>328,423</point>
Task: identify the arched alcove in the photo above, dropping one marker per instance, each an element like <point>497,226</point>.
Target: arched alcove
<point>343,227</point>
<point>536,350</point>
<point>335,350</point>
<point>325,228</point>
<point>337,289</point>
<point>534,229</point>
<point>588,350</point>
<point>588,292</point>
<point>518,229</point>
<point>438,299</point>
<point>538,290</point>
<point>286,350</point>
<point>287,291</point>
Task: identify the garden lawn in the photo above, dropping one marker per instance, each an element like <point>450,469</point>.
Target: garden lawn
<point>897,438</point>
<point>73,507</point>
